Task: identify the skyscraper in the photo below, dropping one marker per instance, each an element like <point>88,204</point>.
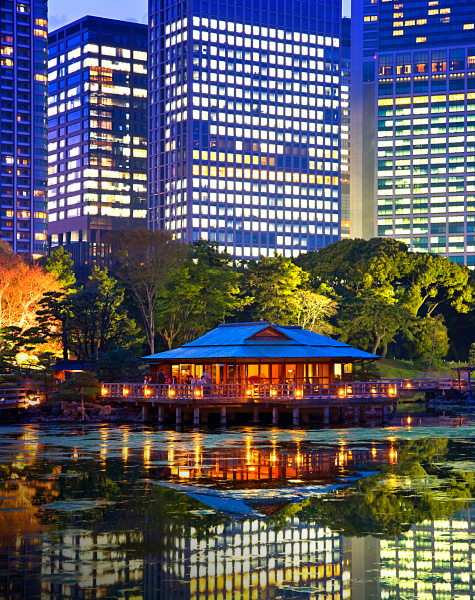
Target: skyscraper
<point>97,134</point>
<point>245,123</point>
<point>345,126</point>
<point>413,116</point>
<point>23,76</point>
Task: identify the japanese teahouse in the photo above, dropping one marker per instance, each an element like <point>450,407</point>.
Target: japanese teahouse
<point>259,353</point>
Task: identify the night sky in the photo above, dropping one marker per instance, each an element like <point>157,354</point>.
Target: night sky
<point>61,12</point>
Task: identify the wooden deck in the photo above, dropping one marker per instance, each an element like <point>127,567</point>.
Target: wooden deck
<point>11,399</point>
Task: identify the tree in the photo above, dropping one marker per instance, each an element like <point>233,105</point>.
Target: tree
<point>22,287</point>
<point>61,265</point>
<point>372,319</point>
<point>202,293</point>
<point>145,261</point>
<point>272,284</point>
<point>314,311</point>
<point>97,321</point>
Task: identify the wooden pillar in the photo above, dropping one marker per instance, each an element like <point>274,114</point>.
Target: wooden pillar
<point>160,415</point>
<point>275,416</point>
<point>356,415</point>
<point>196,417</point>
<point>296,416</point>
<point>223,416</point>
<point>144,412</point>
<point>178,416</point>
<point>255,414</point>
<point>326,416</point>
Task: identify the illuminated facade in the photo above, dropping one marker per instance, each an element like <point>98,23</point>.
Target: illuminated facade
<point>434,560</point>
<point>23,75</point>
<point>345,126</point>
<point>97,150</point>
<point>414,118</point>
<point>245,124</point>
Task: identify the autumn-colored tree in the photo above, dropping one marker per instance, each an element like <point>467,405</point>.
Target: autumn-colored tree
<point>22,287</point>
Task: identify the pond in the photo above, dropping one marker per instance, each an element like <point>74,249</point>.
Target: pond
<point>130,512</point>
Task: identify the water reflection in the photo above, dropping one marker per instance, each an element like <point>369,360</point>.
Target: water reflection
<point>91,514</point>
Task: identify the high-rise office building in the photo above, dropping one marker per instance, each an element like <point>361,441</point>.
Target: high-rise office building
<point>413,124</point>
<point>97,134</point>
<point>23,76</point>
<point>345,125</point>
<point>245,123</point>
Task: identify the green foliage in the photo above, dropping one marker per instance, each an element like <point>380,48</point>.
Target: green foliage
<point>201,293</point>
<point>61,265</point>
<point>118,365</point>
<point>271,284</point>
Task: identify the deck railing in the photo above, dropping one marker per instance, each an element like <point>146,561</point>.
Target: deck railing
<point>422,383</point>
<point>242,393</point>
<point>13,398</point>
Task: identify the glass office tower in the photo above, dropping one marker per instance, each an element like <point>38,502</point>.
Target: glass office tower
<point>97,134</point>
<point>418,65</point>
<point>23,75</point>
<point>345,126</point>
<point>245,123</point>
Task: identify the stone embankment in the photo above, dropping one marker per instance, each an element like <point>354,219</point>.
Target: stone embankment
<point>452,397</point>
<point>72,412</point>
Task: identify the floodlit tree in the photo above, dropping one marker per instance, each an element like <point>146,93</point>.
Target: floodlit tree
<point>61,265</point>
<point>22,287</point>
<point>315,311</point>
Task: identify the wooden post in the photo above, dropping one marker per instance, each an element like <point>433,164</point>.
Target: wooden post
<point>255,415</point>
<point>326,416</point>
<point>160,415</point>
<point>356,414</point>
<point>144,412</point>
<point>296,417</point>
<point>178,416</point>
<point>196,417</point>
<point>223,416</point>
<point>275,416</point>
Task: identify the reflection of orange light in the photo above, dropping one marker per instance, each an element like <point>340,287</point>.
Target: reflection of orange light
<point>75,453</point>
<point>409,420</point>
<point>374,451</point>
<point>125,452</point>
<point>252,468</point>
<point>184,474</point>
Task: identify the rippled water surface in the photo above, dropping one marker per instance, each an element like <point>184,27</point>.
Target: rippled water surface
<point>132,512</point>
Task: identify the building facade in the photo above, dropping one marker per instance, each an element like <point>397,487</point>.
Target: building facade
<point>97,134</point>
<point>245,123</point>
<point>23,76</point>
<point>415,96</point>
<point>345,126</point>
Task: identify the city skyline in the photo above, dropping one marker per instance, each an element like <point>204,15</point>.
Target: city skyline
<point>61,14</point>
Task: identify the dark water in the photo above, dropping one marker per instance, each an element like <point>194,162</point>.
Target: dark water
<point>132,513</point>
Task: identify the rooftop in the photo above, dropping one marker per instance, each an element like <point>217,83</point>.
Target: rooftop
<point>261,340</point>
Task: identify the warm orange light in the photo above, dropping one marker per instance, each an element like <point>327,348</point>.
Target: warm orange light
<point>341,392</point>
<point>273,392</point>
<point>392,391</point>
<point>198,392</point>
<point>409,420</point>
<point>249,391</point>
<point>171,392</point>
<point>349,390</point>
<point>298,393</point>
<point>125,391</point>
<point>408,384</point>
<point>147,392</point>
<point>373,390</point>
<point>104,391</point>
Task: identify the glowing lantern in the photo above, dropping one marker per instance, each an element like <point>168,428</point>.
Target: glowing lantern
<point>249,390</point>
<point>298,392</point>
<point>125,391</point>
<point>104,391</point>
<point>273,392</point>
<point>147,392</point>
<point>171,392</point>
<point>198,392</point>
<point>341,392</point>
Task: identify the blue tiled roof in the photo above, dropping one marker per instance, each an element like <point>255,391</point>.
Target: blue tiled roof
<point>233,341</point>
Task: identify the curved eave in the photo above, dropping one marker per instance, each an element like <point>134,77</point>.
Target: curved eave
<point>255,352</point>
